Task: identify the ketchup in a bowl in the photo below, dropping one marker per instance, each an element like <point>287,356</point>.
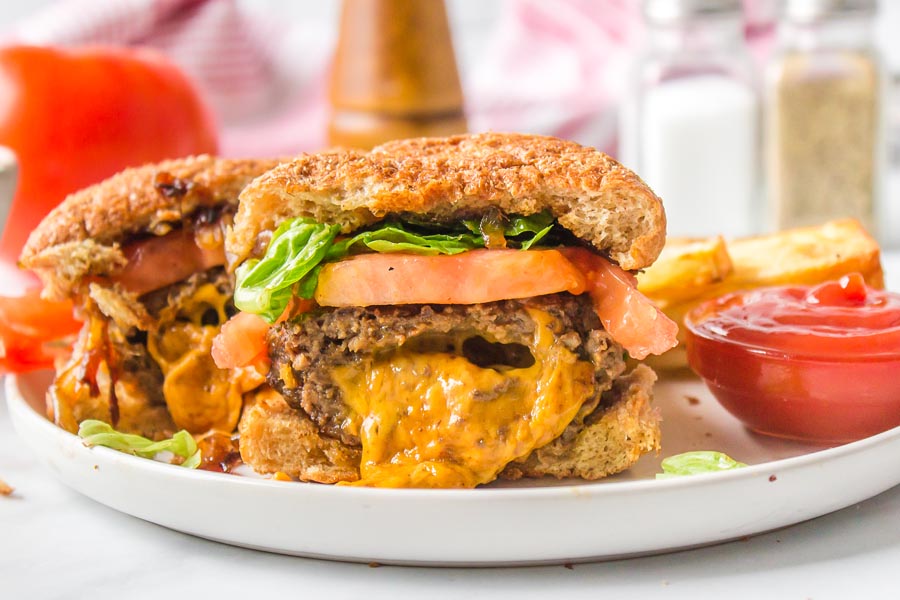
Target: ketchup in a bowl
<point>820,364</point>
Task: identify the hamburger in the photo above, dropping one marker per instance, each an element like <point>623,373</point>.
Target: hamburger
<point>443,312</point>
<point>142,255</point>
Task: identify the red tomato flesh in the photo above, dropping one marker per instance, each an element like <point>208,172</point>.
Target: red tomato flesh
<point>468,278</point>
<point>29,329</point>
<point>472,278</point>
<point>491,275</point>
<point>156,262</point>
<point>73,118</point>
<point>818,364</point>
<point>77,116</point>
<point>627,315</point>
<point>240,341</point>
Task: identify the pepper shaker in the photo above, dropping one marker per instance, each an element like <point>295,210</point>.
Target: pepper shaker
<point>824,86</point>
<point>394,74</point>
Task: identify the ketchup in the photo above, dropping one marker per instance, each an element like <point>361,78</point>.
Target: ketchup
<point>820,364</point>
<point>842,318</point>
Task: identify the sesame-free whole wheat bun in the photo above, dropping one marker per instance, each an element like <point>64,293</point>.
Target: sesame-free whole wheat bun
<point>437,392</point>
<point>445,179</point>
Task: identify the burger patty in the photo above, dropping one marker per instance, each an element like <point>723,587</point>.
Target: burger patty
<point>305,351</point>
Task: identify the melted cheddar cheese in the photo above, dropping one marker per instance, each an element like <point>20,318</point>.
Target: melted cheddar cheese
<point>200,396</point>
<point>437,420</point>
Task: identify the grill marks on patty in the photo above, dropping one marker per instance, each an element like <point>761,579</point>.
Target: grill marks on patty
<point>304,351</point>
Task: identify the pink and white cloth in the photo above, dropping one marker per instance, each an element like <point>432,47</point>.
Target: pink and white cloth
<point>546,67</point>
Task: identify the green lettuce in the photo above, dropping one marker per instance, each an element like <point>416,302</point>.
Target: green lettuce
<point>538,225</point>
<point>394,237</point>
<point>699,461</point>
<point>98,433</point>
<point>299,247</point>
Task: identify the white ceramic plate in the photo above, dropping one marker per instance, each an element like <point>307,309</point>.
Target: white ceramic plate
<point>538,522</point>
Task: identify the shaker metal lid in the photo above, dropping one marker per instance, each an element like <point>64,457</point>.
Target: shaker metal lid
<point>671,11</point>
<point>804,11</point>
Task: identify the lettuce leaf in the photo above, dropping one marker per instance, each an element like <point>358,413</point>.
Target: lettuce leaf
<point>699,461</point>
<point>299,247</point>
<point>515,226</point>
<point>539,225</point>
<point>394,237</point>
<point>98,433</point>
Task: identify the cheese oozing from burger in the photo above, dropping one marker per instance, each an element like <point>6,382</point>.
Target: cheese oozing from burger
<point>438,420</point>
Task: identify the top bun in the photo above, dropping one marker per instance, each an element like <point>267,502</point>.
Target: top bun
<point>446,179</point>
<point>82,236</point>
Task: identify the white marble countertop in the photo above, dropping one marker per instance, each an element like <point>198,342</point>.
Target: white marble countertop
<point>55,543</point>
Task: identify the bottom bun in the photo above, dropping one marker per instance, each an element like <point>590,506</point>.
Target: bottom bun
<point>621,429</point>
<point>277,438</point>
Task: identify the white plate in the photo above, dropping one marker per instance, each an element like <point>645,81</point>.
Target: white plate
<point>626,515</point>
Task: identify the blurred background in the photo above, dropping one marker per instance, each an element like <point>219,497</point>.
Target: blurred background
<point>743,116</point>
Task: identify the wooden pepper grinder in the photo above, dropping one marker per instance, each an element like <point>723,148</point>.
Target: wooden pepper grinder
<point>394,74</point>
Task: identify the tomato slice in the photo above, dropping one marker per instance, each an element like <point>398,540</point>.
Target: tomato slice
<point>32,330</point>
<point>490,275</point>
<point>630,317</point>
<point>156,262</point>
<point>240,341</point>
<point>468,278</point>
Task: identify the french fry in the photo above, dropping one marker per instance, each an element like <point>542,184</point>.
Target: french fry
<point>684,275</point>
<point>806,255</point>
<point>685,269</point>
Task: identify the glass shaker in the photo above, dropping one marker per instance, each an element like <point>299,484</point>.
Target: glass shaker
<point>823,114</point>
<point>690,121</point>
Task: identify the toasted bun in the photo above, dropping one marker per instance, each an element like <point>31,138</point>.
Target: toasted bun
<point>589,193</point>
<point>610,439</point>
<point>81,236</point>
<point>275,438</point>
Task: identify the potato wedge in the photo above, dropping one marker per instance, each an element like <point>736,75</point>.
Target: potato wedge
<point>806,255</point>
<point>685,269</point>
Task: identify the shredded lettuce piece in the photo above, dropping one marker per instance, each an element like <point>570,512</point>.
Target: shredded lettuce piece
<point>300,246</point>
<point>699,461</point>
<point>98,433</point>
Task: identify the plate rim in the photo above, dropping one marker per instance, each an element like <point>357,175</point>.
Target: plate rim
<point>18,405</point>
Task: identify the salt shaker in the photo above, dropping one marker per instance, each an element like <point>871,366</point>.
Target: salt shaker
<point>690,121</point>
<point>823,97</point>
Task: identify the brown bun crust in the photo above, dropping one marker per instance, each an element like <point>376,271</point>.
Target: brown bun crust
<point>81,236</point>
<point>275,437</point>
<point>610,439</point>
<point>593,196</point>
